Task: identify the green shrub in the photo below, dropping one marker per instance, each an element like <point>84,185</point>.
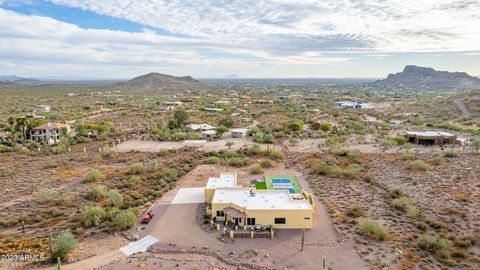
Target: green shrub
<point>372,229</point>
<point>256,169</point>
<point>254,150</point>
<point>92,215</point>
<point>266,163</point>
<point>124,220</point>
<point>213,160</point>
<point>273,154</point>
<point>401,203</point>
<point>46,195</point>
<point>237,161</point>
<point>98,192</point>
<point>94,175</point>
<point>417,165</point>
<point>450,153</point>
<point>352,171</point>
<point>115,197</point>
<point>64,244</point>
<point>136,168</point>
<point>399,139</point>
<point>437,160</point>
<point>433,243</point>
<point>326,169</point>
<point>355,211</point>
<point>394,193</point>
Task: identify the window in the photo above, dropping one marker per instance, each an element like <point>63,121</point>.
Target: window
<point>307,218</point>
<point>220,214</point>
<point>280,220</point>
<point>250,221</point>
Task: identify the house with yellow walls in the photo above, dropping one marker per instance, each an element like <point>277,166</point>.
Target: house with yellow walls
<point>278,207</point>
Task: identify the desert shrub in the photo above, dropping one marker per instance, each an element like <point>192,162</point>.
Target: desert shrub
<point>399,139</point>
<point>434,243</point>
<point>340,151</point>
<point>408,156</point>
<point>268,138</point>
<point>64,244</point>
<point>293,140</point>
<point>352,171</point>
<point>115,197</point>
<point>256,169</point>
<point>295,126</point>
<point>59,149</point>
<point>475,144</point>
<point>92,215</point>
<point>413,212</point>
<point>464,242</point>
<point>450,153</point>
<point>273,154</point>
<point>164,151</point>
<point>107,153</point>
<point>266,163</point>
<point>98,192</point>
<point>417,165</point>
<point>401,203</point>
<point>355,211</point>
<point>46,195</point>
<point>55,212</point>
<point>437,160</point>
<point>124,220</point>
<point>153,165</point>
<point>394,193</point>
<point>213,160</point>
<point>94,175</point>
<point>326,126</point>
<point>326,169</point>
<point>238,161</point>
<point>388,144</point>
<point>372,229</point>
<point>254,150</point>
<point>136,168</point>
<point>421,225</point>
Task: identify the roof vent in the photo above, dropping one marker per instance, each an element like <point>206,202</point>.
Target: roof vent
<point>252,193</point>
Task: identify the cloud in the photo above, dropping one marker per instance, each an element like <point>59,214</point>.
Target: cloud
<point>329,25</point>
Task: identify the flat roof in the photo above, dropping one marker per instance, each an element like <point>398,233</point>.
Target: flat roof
<point>263,200</point>
<point>240,130</point>
<point>430,133</point>
<point>226,180</point>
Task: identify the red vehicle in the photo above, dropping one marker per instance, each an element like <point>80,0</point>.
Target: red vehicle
<point>147,217</point>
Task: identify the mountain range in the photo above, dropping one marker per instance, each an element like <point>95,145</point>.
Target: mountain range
<point>154,81</point>
<point>16,79</point>
<point>415,77</point>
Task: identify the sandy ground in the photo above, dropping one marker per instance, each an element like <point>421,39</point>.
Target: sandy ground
<point>156,146</point>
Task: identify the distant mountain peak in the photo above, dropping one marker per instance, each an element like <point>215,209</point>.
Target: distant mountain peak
<point>416,77</point>
<point>154,80</point>
<point>16,79</point>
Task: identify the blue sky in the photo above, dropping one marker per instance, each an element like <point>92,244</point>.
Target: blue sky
<point>87,39</point>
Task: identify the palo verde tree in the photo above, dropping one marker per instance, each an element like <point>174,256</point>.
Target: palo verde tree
<point>180,116</point>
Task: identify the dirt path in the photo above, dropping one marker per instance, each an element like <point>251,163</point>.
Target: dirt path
<point>461,106</point>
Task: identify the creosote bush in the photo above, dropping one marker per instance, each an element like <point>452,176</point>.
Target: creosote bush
<point>92,215</point>
<point>355,211</point>
<point>64,244</point>
<point>213,160</point>
<point>94,175</point>
<point>266,163</point>
<point>372,229</point>
<point>256,169</point>
<point>417,165</point>
<point>136,168</point>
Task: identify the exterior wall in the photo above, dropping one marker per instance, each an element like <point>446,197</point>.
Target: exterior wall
<point>295,218</point>
<point>239,134</point>
<point>209,195</point>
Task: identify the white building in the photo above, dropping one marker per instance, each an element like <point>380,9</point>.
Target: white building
<point>352,105</point>
<point>213,110</point>
<point>200,127</point>
<point>209,135</point>
<point>239,132</point>
<point>49,132</point>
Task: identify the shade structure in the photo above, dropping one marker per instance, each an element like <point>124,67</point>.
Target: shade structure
<point>232,212</point>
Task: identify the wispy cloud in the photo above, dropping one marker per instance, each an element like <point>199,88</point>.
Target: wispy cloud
<point>183,35</point>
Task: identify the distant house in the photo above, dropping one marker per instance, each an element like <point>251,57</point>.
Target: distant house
<point>49,132</point>
<point>223,102</point>
<point>351,104</point>
<point>172,103</point>
<point>209,135</point>
<point>46,108</point>
<point>239,132</point>
<point>34,116</point>
<point>263,101</point>
<point>200,127</point>
<point>213,110</point>
<point>431,137</point>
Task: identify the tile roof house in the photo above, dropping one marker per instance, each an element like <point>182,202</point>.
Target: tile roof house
<point>49,132</point>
